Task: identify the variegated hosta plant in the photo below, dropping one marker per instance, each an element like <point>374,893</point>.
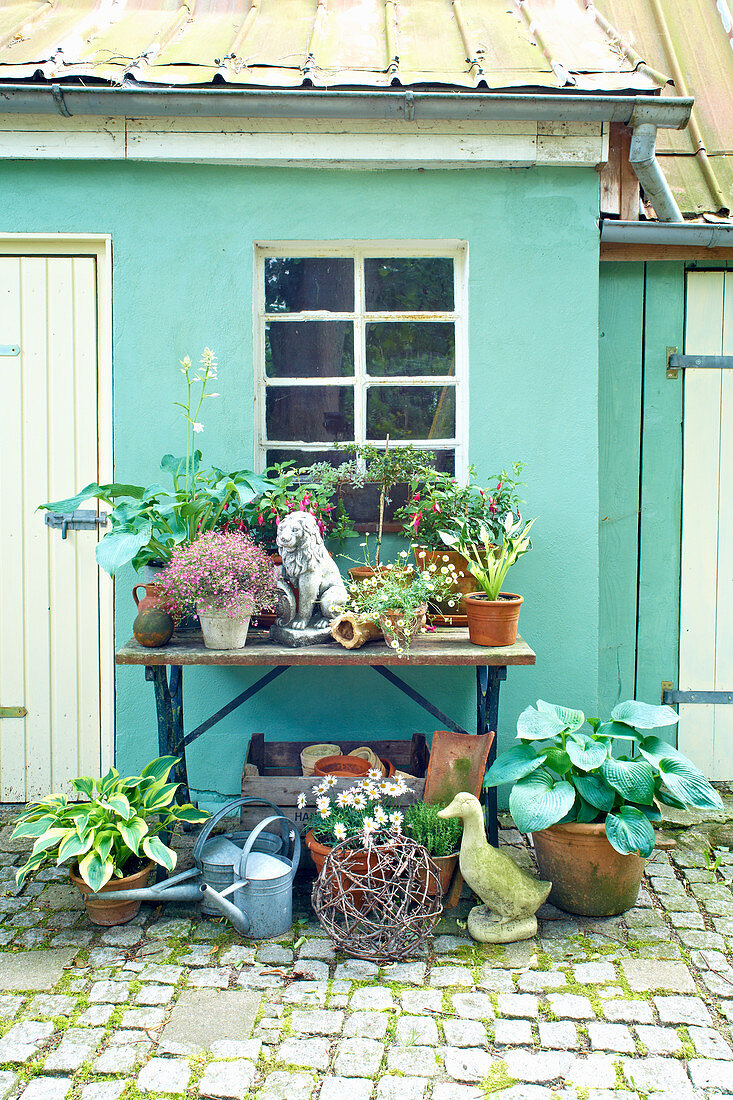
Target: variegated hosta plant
<point>568,768</point>
<point>120,823</point>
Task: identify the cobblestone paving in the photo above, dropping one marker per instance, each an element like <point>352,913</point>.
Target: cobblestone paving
<point>177,1006</point>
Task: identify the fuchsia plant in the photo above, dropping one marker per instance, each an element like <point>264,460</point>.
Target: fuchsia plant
<point>219,572</point>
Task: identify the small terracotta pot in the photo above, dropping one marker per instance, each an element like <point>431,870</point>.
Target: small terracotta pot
<point>445,866</point>
<point>108,913</point>
<point>345,767</point>
<point>589,877</point>
<point>150,599</point>
<point>493,622</point>
<point>363,572</point>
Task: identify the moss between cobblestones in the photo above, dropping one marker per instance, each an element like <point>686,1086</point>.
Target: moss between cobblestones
<point>687,1050</point>
<point>498,1079</point>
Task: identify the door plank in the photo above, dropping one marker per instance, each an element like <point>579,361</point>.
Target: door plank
<point>701,464</point>
<point>723,745</point>
<point>12,677</point>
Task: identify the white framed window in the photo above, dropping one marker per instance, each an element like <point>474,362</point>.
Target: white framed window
<point>357,341</point>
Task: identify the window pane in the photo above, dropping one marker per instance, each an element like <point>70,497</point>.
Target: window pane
<point>305,458</point>
<point>410,347</point>
<point>309,349</point>
<point>409,284</point>
<point>310,413</point>
<point>293,285</point>
<point>411,412</point>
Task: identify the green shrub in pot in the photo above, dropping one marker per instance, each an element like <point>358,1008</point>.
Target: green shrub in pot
<point>441,836</point>
<point>565,770</point>
<point>112,833</point>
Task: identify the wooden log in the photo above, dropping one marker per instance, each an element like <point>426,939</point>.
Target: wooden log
<point>352,632</point>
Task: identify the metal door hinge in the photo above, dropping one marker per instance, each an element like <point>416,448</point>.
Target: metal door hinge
<point>667,685</point>
<point>715,697</point>
<point>83,519</point>
<point>672,372</point>
<point>13,712</point>
<point>9,349</point>
<point>677,362</point>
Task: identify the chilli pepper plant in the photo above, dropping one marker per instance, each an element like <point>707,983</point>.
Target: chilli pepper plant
<point>223,571</point>
<point>114,832</point>
<point>565,770</point>
<point>364,814</point>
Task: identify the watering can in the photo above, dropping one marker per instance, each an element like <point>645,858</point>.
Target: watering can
<point>254,869</point>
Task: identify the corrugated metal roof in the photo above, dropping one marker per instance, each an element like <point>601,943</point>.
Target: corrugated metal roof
<point>609,46</point>
<point>469,44</point>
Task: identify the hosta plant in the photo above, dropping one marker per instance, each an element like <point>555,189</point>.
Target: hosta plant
<point>568,768</point>
<point>112,833</point>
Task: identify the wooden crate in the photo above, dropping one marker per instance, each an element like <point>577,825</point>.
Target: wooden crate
<point>281,780</point>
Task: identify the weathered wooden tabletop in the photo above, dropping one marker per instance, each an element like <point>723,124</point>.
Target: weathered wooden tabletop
<point>448,646</point>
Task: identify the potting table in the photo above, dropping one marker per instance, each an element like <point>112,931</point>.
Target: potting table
<point>447,647</point>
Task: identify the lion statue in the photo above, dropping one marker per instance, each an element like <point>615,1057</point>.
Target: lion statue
<point>309,570</point>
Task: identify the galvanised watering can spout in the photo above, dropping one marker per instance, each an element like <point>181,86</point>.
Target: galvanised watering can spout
<point>235,916</point>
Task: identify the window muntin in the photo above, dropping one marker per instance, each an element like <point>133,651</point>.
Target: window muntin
<point>354,343</point>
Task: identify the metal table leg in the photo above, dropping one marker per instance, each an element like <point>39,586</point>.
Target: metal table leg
<point>169,708</point>
<point>488,682</point>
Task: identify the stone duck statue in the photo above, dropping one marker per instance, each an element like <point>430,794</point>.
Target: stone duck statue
<point>511,896</point>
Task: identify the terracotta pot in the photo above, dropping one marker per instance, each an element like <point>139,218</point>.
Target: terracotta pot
<point>389,622</point>
<point>389,768</point>
<point>345,767</point>
<point>493,622</point>
<point>467,583</point>
<point>150,599</point>
<point>359,861</point>
<point>589,877</point>
<point>445,866</point>
<point>363,572</point>
<point>107,913</point>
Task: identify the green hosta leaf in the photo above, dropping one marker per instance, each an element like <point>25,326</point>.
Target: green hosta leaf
<point>595,790</point>
<point>688,784</point>
<point>650,812</point>
<point>132,833</point>
<point>118,548</point>
<point>628,830</point>
<point>654,749</point>
<point>49,839</point>
<point>586,813</point>
<point>74,846</point>
<point>533,725</point>
<point>156,850</point>
<point>81,820</point>
<point>634,779</point>
<point>31,864</point>
<point>557,761</point>
<point>157,800</point>
<point>516,762</point>
<point>159,768</point>
<point>571,719</point>
<point>664,795</point>
<point>108,781</point>
<point>616,729</point>
<point>538,801</point>
<point>84,784</point>
<point>33,828</point>
<point>120,805</point>
<point>644,716</point>
<point>95,871</point>
<point>103,845</point>
<point>190,814</point>
<point>585,752</point>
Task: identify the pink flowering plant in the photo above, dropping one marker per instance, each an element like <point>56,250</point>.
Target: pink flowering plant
<point>219,572</point>
<point>364,814</point>
<point>438,502</point>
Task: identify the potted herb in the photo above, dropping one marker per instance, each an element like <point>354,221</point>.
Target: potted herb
<point>590,809</point>
<point>114,838</point>
<point>438,502</point>
<point>149,522</point>
<point>225,578</point>
<point>397,599</point>
<point>363,815</point>
<point>493,615</point>
<point>440,836</point>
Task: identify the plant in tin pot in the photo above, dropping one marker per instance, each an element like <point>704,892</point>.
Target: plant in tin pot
<point>590,811</point>
<point>114,838</point>
<point>225,578</point>
<point>493,615</point>
<point>397,599</point>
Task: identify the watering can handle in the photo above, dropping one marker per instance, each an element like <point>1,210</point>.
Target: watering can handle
<point>294,858</point>
<point>225,811</point>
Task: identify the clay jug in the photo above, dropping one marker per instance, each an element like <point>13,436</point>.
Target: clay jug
<point>150,599</point>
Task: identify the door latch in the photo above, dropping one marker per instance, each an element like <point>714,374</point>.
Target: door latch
<point>83,519</point>
<point>13,712</point>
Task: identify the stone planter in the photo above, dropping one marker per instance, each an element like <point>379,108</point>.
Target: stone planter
<point>222,631</point>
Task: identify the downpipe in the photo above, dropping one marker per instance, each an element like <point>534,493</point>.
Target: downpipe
<point>643,160</point>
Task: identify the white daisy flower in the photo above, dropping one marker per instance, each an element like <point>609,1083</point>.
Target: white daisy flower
<point>359,802</point>
<point>396,819</point>
<point>339,831</point>
<point>344,798</point>
<point>302,800</point>
<point>374,773</point>
<point>323,804</point>
<point>325,813</point>
<point>380,816</point>
<point>445,557</point>
<point>330,781</point>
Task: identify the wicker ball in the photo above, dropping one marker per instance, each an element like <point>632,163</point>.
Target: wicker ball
<point>379,903</point>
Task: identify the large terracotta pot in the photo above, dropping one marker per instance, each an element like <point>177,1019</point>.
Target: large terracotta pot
<point>359,862</point>
<point>344,767</point>
<point>493,622</point>
<point>424,558</point>
<point>589,877</point>
<point>108,913</point>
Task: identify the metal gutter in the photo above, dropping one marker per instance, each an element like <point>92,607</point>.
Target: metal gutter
<point>136,102</point>
<point>699,236</point>
<point>643,159</point>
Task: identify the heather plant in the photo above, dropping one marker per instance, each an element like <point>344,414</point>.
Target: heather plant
<point>223,571</point>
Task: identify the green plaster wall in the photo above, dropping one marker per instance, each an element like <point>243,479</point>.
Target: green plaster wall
<point>182,278</point>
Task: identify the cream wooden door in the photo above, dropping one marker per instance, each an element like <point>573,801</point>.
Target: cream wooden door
<point>49,587</point>
<point>706,609</point>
